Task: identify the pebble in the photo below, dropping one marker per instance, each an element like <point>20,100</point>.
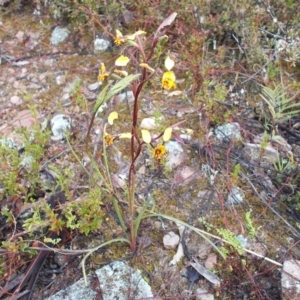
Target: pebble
<point>94,86</point>
<point>171,240</point>
<point>20,35</point>
<point>157,225</point>
<point>16,100</point>
<point>61,259</point>
<point>59,124</point>
<point>60,79</point>
<point>34,86</point>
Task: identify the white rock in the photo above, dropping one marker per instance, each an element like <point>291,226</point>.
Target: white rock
<point>202,294</point>
<point>16,100</point>
<point>230,130</point>
<point>58,35</point>
<point>128,96</point>
<point>59,125</point>
<point>101,44</point>
<point>94,86</point>
<point>171,240</point>
<point>20,35</point>
<point>175,155</point>
<point>60,79</point>
<point>116,281</point>
<point>290,279</point>
<point>149,123</point>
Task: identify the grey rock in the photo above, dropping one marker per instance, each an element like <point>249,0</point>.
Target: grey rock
<point>176,154</point>
<point>236,196</point>
<point>230,130</point>
<point>101,44</point>
<point>94,86</point>
<point>59,125</point>
<point>290,279</point>
<point>58,35</point>
<point>171,240</point>
<point>116,280</point>
<point>202,294</point>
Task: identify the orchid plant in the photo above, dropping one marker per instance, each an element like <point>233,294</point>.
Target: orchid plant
<point>140,138</point>
<point>135,54</point>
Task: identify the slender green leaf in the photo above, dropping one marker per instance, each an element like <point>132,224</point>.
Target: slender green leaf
<point>120,240</point>
<point>142,212</point>
<point>101,98</point>
<point>197,230</point>
<point>121,85</point>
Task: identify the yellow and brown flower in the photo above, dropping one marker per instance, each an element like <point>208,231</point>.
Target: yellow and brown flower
<point>102,73</point>
<point>159,152</point>
<point>168,81</point>
<point>109,140</point>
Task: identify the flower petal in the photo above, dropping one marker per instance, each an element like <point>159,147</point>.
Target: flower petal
<point>159,152</point>
<point>132,36</point>
<point>112,116</point>
<point>139,32</point>
<point>147,67</point>
<point>122,61</point>
<point>169,63</point>
<point>167,134</point>
<point>125,135</point>
<point>102,69</point>
<point>146,136</point>
<point>168,80</point>
<point>122,73</point>
<point>118,33</point>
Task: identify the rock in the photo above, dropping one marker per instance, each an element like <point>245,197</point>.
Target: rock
<point>126,18</point>
<point>16,100</point>
<point>31,44</point>
<point>202,294</point>
<point>34,86</point>
<point>157,225</point>
<point>265,155</point>
<point>20,35</point>
<point>171,240</point>
<point>66,99</point>
<point>61,259</point>
<point>60,79</point>
<point>101,44</point>
<point>128,96</point>
<point>236,196</point>
<point>102,108</point>
<point>176,154</point>
<point>59,125</point>
<point>58,35</point>
<point>211,261</point>
<point>258,248</point>
<point>116,281</point>
<point>185,174</point>
<point>94,86</point>
<point>149,123</point>
<point>290,279</point>
<point>228,131</point>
